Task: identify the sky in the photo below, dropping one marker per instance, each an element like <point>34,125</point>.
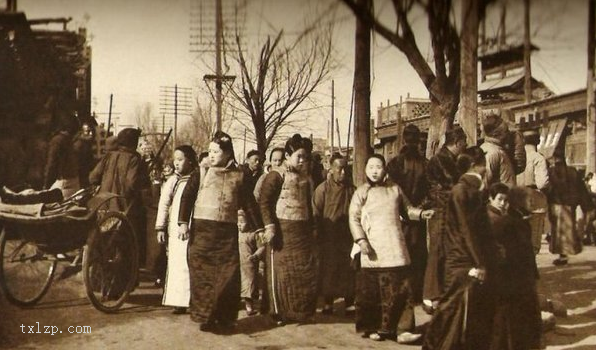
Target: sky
<point>140,45</point>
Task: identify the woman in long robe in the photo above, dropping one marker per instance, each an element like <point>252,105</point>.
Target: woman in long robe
<point>285,203</point>
<point>177,282</point>
<point>213,243</point>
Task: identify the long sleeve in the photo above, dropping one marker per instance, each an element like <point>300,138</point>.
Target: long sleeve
<point>189,196</point>
<point>355,213</point>
<point>165,202</point>
<point>97,172</point>
<point>269,195</point>
<point>250,206</point>
<point>411,211</point>
<point>541,173</point>
<point>460,206</point>
<point>137,178</point>
<point>55,153</point>
<point>318,205</point>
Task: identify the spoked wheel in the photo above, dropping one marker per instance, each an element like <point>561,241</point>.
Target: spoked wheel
<point>110,262</point>
<point>25,272</point>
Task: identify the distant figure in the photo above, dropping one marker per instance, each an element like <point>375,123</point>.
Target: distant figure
<point>61,170</point>
<point>499,165</point>
<point>83,147</point>
<point>567,191</point>
<point>317,170</point>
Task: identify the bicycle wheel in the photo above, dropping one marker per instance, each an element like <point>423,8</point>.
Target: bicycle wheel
<point>110,262</point>
<point>25,272</point>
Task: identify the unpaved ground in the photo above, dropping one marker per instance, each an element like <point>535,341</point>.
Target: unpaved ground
<point>143,324</point>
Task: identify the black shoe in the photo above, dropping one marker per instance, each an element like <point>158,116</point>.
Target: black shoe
<point>207,327</point>
<point>179,310</point>
<point>560,261</point>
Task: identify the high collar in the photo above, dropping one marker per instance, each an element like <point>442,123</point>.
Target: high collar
<point>472,179</point>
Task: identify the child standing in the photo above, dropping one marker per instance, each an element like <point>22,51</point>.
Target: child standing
<point>177,284</point>
<point>383,281</point>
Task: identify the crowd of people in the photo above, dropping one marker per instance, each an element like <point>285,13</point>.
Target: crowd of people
<point>457,233</point>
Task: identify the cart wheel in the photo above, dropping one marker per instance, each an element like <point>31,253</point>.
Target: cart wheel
<point>110,262</point>
<point>25,272</point>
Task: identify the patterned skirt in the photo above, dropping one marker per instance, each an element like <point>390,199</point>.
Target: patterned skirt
<point>292,272</point>
<point>214,272</point>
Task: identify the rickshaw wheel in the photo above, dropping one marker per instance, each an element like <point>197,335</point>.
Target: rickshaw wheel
<point>25,271</point>
<point>110,262</point>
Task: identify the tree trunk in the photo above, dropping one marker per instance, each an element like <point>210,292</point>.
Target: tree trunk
<point>362,147</point>
<point>468,112</point>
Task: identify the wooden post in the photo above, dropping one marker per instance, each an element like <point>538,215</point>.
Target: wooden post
<point>109,116</point>
<point>527,53</point>
<point>218,71</point>
<point>591,109</point>
<point>338,137</point>
<point>362,123</point>
<point>332,115</point>
<point>175,138</point>
<point>468,112</point>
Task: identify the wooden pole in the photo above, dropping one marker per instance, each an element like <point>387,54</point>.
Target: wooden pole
<point>338,136</point>
<point>362,123</point>
<point>109,116</point>
<point>218,70</point>
<point>332,115</point>
<point>527,53</point>
<point>350,123</point>
<point>175,138</point>
<point>468,113</point>
<point>591,111</point>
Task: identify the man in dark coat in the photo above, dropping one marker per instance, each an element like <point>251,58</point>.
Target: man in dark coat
<point>61,170</point>
<point>463,319</point>
<point>83,148</point>
<point>331,202</point>
<point>442,175</point>
<point>408,170</point>
<point>123,172</point>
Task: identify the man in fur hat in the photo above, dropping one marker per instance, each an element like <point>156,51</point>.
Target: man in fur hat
<point>123,172</point>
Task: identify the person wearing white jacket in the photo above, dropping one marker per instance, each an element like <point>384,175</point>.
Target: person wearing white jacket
<point>376,211</point>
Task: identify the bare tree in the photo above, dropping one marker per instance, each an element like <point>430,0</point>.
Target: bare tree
<point>146,121</point>
<point>274,86</point>
<point>442,81</point>
<point>198,130</point>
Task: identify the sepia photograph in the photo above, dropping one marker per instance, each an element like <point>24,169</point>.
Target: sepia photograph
<point>298,174</point>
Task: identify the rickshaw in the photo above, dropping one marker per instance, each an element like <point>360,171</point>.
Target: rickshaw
<point>32,245</point>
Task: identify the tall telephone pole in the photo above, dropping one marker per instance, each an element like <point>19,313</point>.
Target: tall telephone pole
<point>527,54</point>
<point>591,108</point>
<point>175,101</point>
<point>202,42</point>
<point>332,114</point>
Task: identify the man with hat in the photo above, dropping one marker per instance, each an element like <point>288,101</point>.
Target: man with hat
<point>408,170</point>
<point>535,180</point>
<point>442,174</point>
<point>499,167</point>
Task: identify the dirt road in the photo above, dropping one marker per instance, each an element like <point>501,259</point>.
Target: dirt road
<point>143,324</point>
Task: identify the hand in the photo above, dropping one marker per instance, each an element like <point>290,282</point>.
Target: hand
<point>183,232</point>
<point>427,214</point>
<point>365,248</point>
<point>161,237</point>
<point>269,233</point>
<point>477,273</point>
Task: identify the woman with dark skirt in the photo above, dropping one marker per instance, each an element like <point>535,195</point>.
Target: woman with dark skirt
<point>213,259</point>
<point>285,202</point>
